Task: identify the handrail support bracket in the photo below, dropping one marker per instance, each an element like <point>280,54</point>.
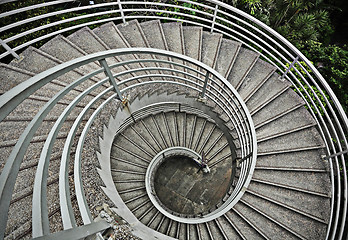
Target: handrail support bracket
<point>112,80</point>
<point>289,68</point>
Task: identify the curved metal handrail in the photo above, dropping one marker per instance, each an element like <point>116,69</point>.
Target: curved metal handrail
<point>15,96</point>
<point>234,23</point>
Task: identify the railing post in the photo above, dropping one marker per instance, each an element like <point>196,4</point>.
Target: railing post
<point>112,80</point>
<point>7,47</point>
<point>289,68</point>
<point>121,10</point>
<point>202,96</point>
<point>214,19</point>
<point>240,160</point>
<point>335,155</point>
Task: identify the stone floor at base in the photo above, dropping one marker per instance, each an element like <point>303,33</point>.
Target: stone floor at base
<point>183,189</point>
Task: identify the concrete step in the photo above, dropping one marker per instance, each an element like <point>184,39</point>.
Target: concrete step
<point>121,187</point>
<point>193,44</point>
<point>242,224</point>
<point>174,38</point>
<point>11,76</point>
<point>292,121</point>
<point>298,224</point>
<point>317,182</point>
<point>153,127</point>
<point>155,38</point>
<point>214,229</point>
<point>142,209</point>
<point>205,133</point>
<point>257,76</point>
<point>89,42</point>
<point>173,33</point>
<point>134,35</point>
<point>172,232</point>
<point>211,43</point>
<point>114,39</point>
<point>242,66</point>
<point>269,90</point>
<point>34,148</point>
<point>161,123</point>
<point>65,50</point>
<point>37,61</point>
<point>265,225</point>
<point>162,227</point>
<point>303,159</point>
<point>301,139</point>
<point>228,228</point>
<point>150,217</point>
<point>307,204</point>
<point>285,103</point>
<point>21,211</point>
<point>119,151</point>
<point>227,56</point>
<point>9,138</point>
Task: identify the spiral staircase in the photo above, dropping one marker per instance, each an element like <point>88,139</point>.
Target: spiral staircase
<point>128,113</point>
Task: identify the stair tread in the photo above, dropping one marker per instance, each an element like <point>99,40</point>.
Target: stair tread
<point>134,35</point>
<point>155,38</point>
<point>87,41</point>
<point>11,76</point>
<point>242,225</point>
<point>271,88</point>
<point>271,230</point>
<point>193,41</point>
<point>174,36</point>
<point>303,159</point>
<point>111,36</point>
<point>227,55</point>
<point>210,48</point>
<point>154,34</point>
<point>65,50</point>
<point>293,120</point>
<point>242,65</point>
<point>304,138</point>
<point>36,61</point>
<point>301,225</point>
<point>260,72</point>
<point>281,104</point>
<point>316,182</point>
<point>310,204</point>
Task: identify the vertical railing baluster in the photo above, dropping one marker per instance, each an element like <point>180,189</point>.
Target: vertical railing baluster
<point>121,11</point>
<point>112,80</point>
<point>205,86</point>
<point>214,19</point>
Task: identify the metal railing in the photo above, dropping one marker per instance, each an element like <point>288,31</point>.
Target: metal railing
<point>218,17</point>
<point>198,82</point>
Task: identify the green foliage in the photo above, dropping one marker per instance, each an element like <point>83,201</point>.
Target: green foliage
<point>315,97</point>
<point>306,23</point>
<point>332,62</point>
<point>298,20</point>
<point>174,12</point>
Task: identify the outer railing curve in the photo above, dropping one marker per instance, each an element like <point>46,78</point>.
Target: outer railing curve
<point>233,23</point>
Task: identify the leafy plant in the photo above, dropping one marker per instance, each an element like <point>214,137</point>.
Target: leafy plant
<point>315,95</point>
